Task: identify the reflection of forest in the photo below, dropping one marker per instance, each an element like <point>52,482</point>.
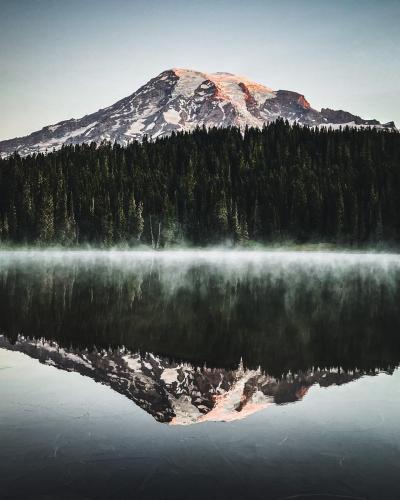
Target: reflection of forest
<point>285,316</point>
<point>180,393</point>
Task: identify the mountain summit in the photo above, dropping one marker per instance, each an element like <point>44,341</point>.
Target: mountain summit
<point>181,99</point>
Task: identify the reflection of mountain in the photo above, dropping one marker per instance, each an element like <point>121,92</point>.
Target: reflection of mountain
<point>178,393</point>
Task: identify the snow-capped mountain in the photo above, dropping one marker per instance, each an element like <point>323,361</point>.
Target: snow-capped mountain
<point>180,99</point>
<point>180,393</point>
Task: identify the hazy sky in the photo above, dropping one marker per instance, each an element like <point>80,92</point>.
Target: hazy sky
<point>65,58</point>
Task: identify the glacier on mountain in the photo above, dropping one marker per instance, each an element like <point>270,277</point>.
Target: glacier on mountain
<point>181,100</point>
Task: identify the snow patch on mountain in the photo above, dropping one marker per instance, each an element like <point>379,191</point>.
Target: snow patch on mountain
<point>172,116</point>
<point>135,128</point>
<point>181,100</point>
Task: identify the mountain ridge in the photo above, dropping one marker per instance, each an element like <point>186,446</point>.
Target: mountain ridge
<point>182,100</point>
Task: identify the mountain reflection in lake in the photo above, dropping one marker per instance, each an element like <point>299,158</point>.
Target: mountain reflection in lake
<point>179,393</point>
<point>196,337</point>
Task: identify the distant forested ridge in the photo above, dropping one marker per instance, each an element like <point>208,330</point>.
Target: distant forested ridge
<point>210,186</point>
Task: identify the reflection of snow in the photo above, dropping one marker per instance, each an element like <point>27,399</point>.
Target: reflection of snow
<point>170,375</point>
<point>133,363</point>
<point>181,394</point>
<point>228,406</point>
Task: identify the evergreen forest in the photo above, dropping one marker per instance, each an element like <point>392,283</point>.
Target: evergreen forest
<point>281,183</point>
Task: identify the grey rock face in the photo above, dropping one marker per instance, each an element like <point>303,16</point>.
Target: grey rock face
<point>181,100</point>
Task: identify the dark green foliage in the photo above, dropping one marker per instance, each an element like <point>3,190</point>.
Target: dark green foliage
<point>208,187</point>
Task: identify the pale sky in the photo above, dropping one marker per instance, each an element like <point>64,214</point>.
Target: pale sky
<point>63,59</point>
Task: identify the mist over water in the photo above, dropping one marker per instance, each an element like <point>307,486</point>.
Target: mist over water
<point>283,310</point>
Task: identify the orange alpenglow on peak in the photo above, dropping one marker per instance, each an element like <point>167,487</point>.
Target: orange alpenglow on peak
<point>181,99</point>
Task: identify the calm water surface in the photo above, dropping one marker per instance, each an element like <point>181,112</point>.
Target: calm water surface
<point>178,375</point>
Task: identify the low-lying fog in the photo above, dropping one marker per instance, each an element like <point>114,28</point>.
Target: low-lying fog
<point>220,256</point>
<point>282,309</point>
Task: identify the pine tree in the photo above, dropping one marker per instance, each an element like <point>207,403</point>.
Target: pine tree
<point>221,217</point>
<point>106,223</point>
<point>208,186</point>
<point>135,219</point>
<point>235,226</point>
<point>46,219</point>
<point>244,232</point>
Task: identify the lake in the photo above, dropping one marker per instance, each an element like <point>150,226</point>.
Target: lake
<point>199,374</point>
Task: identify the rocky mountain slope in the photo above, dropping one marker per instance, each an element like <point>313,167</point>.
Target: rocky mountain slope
<point>180,99</point>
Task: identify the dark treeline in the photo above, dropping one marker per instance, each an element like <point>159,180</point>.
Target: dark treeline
<point>281,182</point>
